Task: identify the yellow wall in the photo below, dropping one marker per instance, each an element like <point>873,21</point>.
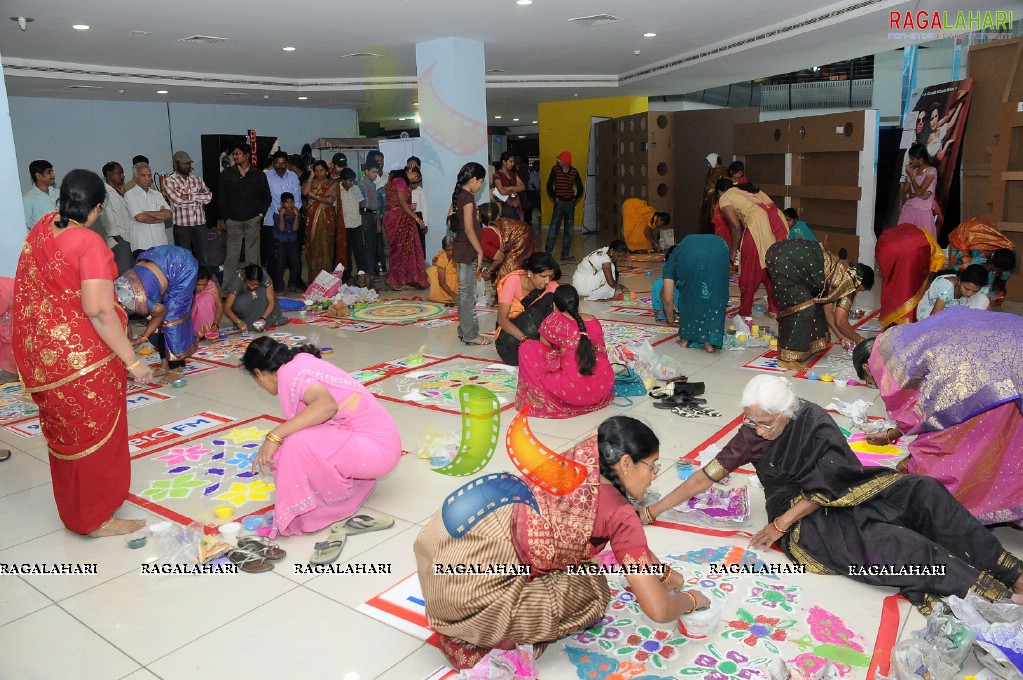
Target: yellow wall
<point>565,126</point>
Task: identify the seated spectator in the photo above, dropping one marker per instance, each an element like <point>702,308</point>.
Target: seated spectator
<point>443,275</point>
<point>596,277</point>
<point>523,303</point>
<point>797,227</point>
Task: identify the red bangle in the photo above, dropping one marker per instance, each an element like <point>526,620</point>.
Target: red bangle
<point>774,523</point>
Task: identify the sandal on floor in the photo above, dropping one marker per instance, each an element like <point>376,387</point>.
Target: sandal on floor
<point>479,340</point>
<point>263,547</point>
<point>679,400</point>
<point>328,551</point>
<point>249,562</point>
<point>661,392</point>
<point>685,412</point>
<point>361,524</point>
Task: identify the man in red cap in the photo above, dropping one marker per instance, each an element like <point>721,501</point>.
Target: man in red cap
<point>566,188</point>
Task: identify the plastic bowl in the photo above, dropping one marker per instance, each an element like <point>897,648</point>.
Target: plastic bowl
<point>812,376</point>
<point>146,351</point>
<point>136,539</point>
<point>213,336</point>
<point>841,382</point>
<point>230,530</point>
<point>179,383</point>
<point>224,511</point>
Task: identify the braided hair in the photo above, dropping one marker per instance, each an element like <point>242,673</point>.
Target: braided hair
<point>620,435</point>
<point>566,299</point>
<point>267,355</point>
<point>469,172</point>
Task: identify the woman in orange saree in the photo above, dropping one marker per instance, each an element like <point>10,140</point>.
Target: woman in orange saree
<point>324,195</point>
<point>907,254</point>
<point>72,351</point>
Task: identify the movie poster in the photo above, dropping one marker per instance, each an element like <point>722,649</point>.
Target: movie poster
<point>936,119</point>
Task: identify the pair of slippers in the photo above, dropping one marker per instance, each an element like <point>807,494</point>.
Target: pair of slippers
<point>326,552</point>
<point>256,554</point>
<point>682,399</point>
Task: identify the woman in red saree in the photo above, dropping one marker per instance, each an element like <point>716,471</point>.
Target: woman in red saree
<point>474,614</point>
<point>907,254</point>
<point>72,350</point>
<point>407,267</point>
<point>324,195</point>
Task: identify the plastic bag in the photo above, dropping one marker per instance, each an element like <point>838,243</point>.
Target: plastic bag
<point>178,544</point>
<point>325,285</point>
<point>911,658</point>
<point>947,635</point>
<point>440,446</point>
<point>856,411</point>
<point>997,622</point>
<point>504,664</point>
<point>650,364</point>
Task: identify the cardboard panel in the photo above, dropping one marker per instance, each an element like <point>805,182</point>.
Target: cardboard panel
<point>765,169</point>
<point>840,168</point>
<point>769,137</point>
<point>835,239</point>
<point>832,132</point>
<point>829,213</point>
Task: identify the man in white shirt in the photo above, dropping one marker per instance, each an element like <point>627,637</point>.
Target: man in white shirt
<point>41,199</point>
<point>148,210</point>
<point>115,218</point>
<point>281,181</point>
<point>351,217</point>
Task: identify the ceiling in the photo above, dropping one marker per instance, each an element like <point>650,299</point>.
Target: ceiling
<point>533,52</point>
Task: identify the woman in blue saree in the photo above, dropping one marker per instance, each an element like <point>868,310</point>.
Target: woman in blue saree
<point>699,268</point>
<point>161,287</point>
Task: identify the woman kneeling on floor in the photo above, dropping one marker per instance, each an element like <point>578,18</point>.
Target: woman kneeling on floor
<point>566,372</point>
<point>834,516</point>
<point>474,614</point>
<point>337,439</point>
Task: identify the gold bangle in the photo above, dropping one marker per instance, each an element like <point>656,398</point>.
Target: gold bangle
<point>132,367</point>
<point>774,523</point>
<point>645,517</point>
<point>276,439</point>
<point>691,597</point>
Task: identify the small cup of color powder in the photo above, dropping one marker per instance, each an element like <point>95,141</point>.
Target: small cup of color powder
<point>224,511</point>
<point>136,539</point>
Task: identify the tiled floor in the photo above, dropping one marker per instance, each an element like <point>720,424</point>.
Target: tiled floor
<point>121,624</point>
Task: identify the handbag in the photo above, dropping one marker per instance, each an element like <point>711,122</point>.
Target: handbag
<point>627,384</point>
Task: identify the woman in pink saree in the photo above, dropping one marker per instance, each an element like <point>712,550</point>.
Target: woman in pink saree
<point>566,372</point>
<point>407,268</point>
<point>336,442</point>
<point>955,381</point>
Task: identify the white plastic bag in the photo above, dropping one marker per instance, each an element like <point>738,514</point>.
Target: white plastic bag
<point>912,658</point>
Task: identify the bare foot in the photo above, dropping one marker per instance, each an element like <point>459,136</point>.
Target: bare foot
<point>118,527</point>
<point>168,377</point>
<point>791,365</point>
<point>1017,587</point>
<point>707,347</point>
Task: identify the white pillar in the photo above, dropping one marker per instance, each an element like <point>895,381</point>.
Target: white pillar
<point>453,122</point>
<point>12,211</point>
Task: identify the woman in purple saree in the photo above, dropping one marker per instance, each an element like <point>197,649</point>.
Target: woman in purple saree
<point>955,381</point>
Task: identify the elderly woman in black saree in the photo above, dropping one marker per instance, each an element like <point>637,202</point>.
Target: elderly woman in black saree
<point>833,515</point>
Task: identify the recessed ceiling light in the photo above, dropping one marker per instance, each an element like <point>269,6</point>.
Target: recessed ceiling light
<point>515,119</point>
<point>535,122</point>
<point>140,32</point>
<point>497,117</point>
<point>288,49</point>
<point>302,99</point>
<point>523,2</point>
<point>161,92</point>
<point>522,136</point>
<point>635,51</point>
<point>81,27</point>
<point>649,35</point>
<point>415,104</point>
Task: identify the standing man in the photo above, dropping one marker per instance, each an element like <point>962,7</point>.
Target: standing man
<point>41,199</point>
<point>351,222</point>
<point>187,195</point>
<point>148,210</point>
<point>281,181</point>
<point>566,188</point>
<point>244,199</point>
<point>382,247</point>
<point>115,217</point>
<point>337,165</point>
<point>365,255</point>
<point>533,192</point>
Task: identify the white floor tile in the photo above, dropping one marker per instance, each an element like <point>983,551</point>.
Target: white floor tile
<point>22,471</point>
<point>301,634</point>
<point>36,515</point>
<point>31,647</point>
<point>17,597</point>
<point>149,616</point>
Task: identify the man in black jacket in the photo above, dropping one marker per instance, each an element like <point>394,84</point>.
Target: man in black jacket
<point>243,199</point>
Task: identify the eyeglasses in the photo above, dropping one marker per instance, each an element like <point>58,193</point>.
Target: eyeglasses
<point>754,425</point>
<point>654,467</point>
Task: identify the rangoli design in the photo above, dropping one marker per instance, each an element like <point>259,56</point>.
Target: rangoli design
<point>439,385</point>
<point>398,312</point>
<point>625,333</point>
